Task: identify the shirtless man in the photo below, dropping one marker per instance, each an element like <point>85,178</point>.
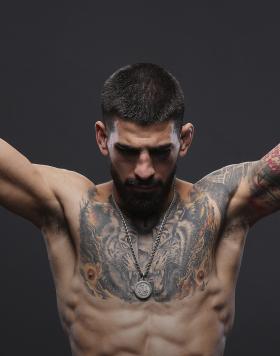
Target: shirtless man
<point>145,264</point>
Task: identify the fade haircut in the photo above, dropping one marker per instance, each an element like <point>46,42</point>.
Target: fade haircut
<point>143,93</point>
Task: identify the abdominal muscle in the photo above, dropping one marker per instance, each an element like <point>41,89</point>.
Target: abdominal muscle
<point>194,326</point>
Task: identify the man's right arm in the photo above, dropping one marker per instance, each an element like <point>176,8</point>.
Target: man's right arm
<point>24,190</point>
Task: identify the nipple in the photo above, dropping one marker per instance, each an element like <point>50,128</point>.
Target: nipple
<point>90,274</point>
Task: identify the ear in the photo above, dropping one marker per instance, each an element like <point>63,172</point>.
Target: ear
<point>187,132</point>
<point>101,135</point>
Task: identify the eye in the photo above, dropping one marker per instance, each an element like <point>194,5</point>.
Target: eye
<point>127,151</point>
<point>161,154</point>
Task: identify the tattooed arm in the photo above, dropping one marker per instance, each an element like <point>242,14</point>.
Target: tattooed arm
<point>260,191</point>
<point>249,190</point>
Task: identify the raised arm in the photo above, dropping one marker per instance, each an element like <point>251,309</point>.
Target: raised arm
<point>253,188</point>
<point>261,189</point>
<point>24,190</point>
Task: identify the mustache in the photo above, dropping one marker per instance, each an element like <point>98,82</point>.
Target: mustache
<point>132,182</point>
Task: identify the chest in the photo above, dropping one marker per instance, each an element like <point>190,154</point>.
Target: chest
<point>181,263</point>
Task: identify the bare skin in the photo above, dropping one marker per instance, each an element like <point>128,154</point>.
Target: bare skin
<point>194,271</point>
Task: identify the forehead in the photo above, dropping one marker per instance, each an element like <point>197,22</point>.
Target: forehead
<point>132,134</point>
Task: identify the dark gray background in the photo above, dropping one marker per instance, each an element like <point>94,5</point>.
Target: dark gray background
<point>54,59</point>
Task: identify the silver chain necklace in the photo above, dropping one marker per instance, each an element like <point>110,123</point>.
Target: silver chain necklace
<point>143,289</point>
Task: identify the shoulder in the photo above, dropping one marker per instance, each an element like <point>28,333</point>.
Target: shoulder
<point>228,187</point>
<point>61,175</point>
<point>69,187</point>
<point>228,176</point>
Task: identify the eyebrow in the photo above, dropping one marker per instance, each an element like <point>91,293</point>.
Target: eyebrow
<point>151,149</point>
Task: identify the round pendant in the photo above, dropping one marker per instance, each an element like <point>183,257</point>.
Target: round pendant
<point>143,289</point>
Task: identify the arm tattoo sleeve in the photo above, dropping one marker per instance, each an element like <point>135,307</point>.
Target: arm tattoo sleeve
<point>265,183</point>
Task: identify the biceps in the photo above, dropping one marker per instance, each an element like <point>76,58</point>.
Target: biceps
<point>32,200</point>
<point>22,188</point>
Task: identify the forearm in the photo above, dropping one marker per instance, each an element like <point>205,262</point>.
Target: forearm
<point>267,177</point>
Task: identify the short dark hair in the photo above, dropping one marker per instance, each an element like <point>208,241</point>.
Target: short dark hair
<point>144,93</point>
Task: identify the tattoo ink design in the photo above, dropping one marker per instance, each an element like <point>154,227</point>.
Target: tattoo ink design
<point>182,262</point>
<point>185,256</point>
<point>272,159</point>
<point>265,184</point>
<point>221,184</point>
<point>229,176</point>
<point>106,264</point>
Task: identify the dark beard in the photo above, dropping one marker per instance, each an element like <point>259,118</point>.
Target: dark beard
<point>142,204</point>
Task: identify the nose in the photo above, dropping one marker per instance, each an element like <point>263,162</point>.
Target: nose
<point>144,166</point>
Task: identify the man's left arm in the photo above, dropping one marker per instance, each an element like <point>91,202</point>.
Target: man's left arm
<point>258,193</point>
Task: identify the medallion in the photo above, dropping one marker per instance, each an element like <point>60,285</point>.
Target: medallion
<point>143,289</point>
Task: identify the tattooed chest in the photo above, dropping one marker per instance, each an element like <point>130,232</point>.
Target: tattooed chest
<point>181,263</point>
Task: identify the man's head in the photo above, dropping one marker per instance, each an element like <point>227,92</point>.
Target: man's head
<point>144,93</point>
<point>143,134</point>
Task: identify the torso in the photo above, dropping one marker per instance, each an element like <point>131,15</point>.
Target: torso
<point>193,274</point>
